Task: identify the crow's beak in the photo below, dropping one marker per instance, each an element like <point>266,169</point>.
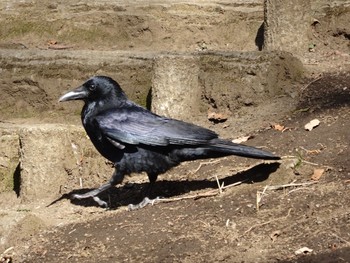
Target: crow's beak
<point>77,94</point>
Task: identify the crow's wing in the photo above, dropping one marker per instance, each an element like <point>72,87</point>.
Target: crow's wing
<point>139,126</point>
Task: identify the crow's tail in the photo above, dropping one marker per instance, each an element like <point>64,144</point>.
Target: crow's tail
<point>227,148</point>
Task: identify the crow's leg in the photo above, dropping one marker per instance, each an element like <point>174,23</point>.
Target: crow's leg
<point>146,201</point>
<point>116,179</point>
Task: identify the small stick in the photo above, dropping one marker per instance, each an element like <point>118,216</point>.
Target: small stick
<point>296,189</point>
<point>217,181</point>
<point>234,184</point>
<point>204,163</point>
<point>267,222</point>
<point>316,164</point>
<point>205,194</point>
<point>342,239</point>
<point>259,196</point>
<point>7,250</point>
<point>209,193</point>
<point>283,186</point>
<point>289,157</point>
<point>313,81</point>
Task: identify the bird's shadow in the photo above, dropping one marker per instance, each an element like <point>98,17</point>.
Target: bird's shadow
<point>134,193</point>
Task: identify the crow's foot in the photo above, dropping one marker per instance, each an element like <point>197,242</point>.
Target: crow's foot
<point>87,195</point>
<point>146,201</point>
<point>93,194</point>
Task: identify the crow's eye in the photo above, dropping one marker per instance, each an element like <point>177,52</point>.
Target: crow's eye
<point>92,87</point>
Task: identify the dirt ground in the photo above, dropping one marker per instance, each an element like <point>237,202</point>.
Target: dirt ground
<point>211,226</point>
<point>262,211</point>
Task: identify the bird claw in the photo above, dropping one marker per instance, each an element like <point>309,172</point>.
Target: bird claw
<point>100,202</point>
<point>146,201</point>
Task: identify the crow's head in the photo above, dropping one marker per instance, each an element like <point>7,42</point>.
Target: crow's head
<point>96,88</point>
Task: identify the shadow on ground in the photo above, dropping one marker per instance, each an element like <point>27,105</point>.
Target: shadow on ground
<point>134,193</point>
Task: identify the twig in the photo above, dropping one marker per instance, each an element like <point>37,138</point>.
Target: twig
<point>289,157</point>
<point>313,81</point>
<point>219,186</point>
<point>205,163</point>
<point>317,151</point>
<point>316,164</point>
<point>296,189</point>
<point>259,196</point>
<point>6,251</point>
<point>209,193</point>
<point>342,239</point>
<point>304,161</point>
<point>283,186</point>
<point>199,195</point>
<point>267,222</point>
<point>234,184</point>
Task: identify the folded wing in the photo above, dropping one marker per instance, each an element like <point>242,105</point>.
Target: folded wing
<point>138,126</point>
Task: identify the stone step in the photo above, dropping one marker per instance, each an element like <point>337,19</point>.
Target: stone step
<point>133,25</point>
<point>44,161</point>
<point>33,80</point>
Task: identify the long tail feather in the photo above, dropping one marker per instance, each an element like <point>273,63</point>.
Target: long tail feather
<point>229,147</point>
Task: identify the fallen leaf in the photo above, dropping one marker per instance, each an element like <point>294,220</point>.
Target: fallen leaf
<point>242,139</point>
<point>317,174</point>
<point>303,250</point>
<point>217,117</point>
<point>52,42</point>
<point>312,124</point>
<point>278,127</point>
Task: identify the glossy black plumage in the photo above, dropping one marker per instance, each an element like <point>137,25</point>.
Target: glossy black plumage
<point>137,140</point>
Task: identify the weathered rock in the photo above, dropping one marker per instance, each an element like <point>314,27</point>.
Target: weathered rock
<point>287,25</point>
<point>33,80</point>
<point>175,86</point>
<point>9,159</point>
<point>233,80</point>
<point>48,160</point>
<point>185,86</point>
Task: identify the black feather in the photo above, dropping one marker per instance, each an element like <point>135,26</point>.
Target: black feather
<point>137,140</point>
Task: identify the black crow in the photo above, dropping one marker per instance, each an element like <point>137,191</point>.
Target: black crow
<point>137,140</point>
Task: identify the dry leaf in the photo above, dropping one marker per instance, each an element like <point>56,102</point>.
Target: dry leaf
<point>303,250</point>
<point>52,42</point>
<point>242,139</point>
<point>217,117</point>
<point>312,124</point>
<point>278,127</point>
<point>317,174</point>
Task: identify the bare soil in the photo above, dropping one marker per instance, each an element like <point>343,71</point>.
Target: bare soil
<point>198,222</point>
<point>223,226</point>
